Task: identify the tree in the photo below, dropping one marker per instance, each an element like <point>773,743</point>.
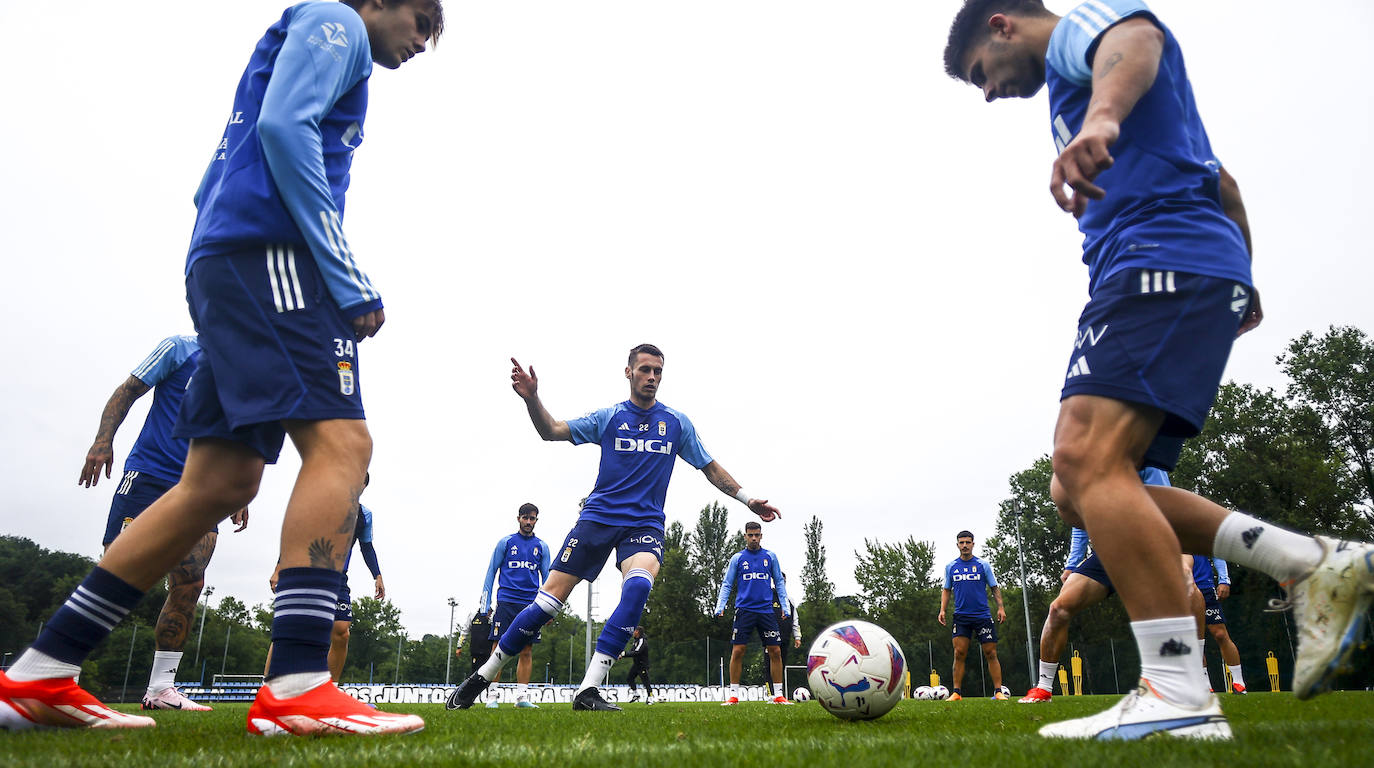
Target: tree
<point>817,588</point>
<point>892,573</point>
<point>1334,376</point>
<point>709,549</point>
<point>1044,536</point>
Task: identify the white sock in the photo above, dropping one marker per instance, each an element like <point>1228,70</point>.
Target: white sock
<point>522,691</point>
<point>777,690</point>
<point>1202,655</point>
<point>36,665</point>
<point>1169,658</point>
<point>734,690</point>
<point>596,671</point>
<point>1279,552</point>
<point>1046,681</point>
<point>1236,675</point>
<point>164,672</point>
<point>296,683</point>
<point>492,666</point>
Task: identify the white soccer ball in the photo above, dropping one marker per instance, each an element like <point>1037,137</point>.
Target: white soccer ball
<point>801,694</point>
<point>939,693</point>
<point>923,693</point>
<point>856,670</point>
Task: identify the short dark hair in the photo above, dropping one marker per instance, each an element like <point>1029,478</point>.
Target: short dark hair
<point>971,26</point>
<point>527,508</point>
<point>435,8</point>
<point>647,349</point>
<point>964,535</point>
<point>753,525</point>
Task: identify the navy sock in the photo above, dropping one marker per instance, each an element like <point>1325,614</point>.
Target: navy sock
<point>88,617</point>
<point>634,593</point>
<point>302,619</point>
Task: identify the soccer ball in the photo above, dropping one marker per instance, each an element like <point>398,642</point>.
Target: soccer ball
<point>801,694</point>
<point>856,670</point>
<point>923,693</point>
<point>939,692</point>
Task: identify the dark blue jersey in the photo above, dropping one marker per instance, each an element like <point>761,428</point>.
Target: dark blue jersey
<point>637,451</point>
<point>168,370</point>
<point>756,574</point>
<point>519,564</point>
<point>362,534</point>
<point>279,173</point>
<point>1163,206</point>
<point>970,580</point>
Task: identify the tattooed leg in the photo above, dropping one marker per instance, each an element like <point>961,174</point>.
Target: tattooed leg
<point>184,584</point>
<point>317,530</point>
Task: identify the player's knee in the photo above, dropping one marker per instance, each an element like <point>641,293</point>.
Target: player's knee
<point>341,633</point>
<point>990,651</point>
<point>1061,612</point>
<point>1067,513</point>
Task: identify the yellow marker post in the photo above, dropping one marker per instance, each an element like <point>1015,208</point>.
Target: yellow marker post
<point>934,678</point>
<point>1226,675</point>
<point>906,683</point>
<point>1272,664</point>
<point>1077,662</point>
<point>1063,681</point>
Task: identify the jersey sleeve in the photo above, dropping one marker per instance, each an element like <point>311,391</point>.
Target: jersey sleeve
<point>588,429</point>
<point>727,584</point>
<point>775,571</point>
<point>949,582</point>
<point>365,524</point>
<point>545,561</point>
<point>370,558</point>
<point>987,572</point>
<point>1223,572</point>
<point>492,568</point>
<point>169,355</point>
<point>308,79</point>
<point>1078,548</point>
<point>1075,38</point>
<point>691,450</point>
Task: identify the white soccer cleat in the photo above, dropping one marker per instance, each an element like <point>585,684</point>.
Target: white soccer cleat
<point>171,698</point>
<point>1329,605</point>
<point>1143,713</point>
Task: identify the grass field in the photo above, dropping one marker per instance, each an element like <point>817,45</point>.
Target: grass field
<point>1270,729</point>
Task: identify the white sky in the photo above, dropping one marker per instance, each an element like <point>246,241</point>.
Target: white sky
<point>864,291</point>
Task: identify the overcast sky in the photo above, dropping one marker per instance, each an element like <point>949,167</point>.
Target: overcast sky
<point>864,291</point>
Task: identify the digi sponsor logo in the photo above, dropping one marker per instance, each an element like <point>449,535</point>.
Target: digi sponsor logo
<point>967,577</point>
<point>521,565</point>
<point>754,576</point>
<point>633,445</point>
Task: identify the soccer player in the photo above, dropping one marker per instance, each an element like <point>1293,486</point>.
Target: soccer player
<point>639,666</point>
<point>279,336</point>
<point>639,439</point>
<point>969,578</point>
<point>1166,241</point>
<point>478,627</point>
<point>153,466</point>
<point>343,608</point>
<point>522,561</point>
<point>756,571</point>
<point>1215,619</point>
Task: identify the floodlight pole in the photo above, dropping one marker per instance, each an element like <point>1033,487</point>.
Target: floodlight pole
<point>448,662</point>
<point>207,592</point>
<point>1025,601</point>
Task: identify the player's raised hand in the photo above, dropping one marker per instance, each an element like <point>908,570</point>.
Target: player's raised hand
<point>381,588</point>
<point>526,385</point>
<point>240,518</point>
<point>766,512</point>
<point>366,326</point>
<point>101,453</point>
<point>1080,162</point>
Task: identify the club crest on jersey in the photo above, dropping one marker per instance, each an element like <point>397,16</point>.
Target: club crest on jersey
<point>662,429</point>
<point>346,379</point>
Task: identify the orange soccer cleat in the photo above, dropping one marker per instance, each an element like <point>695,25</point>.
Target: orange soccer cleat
<point>58,703</point>
<point>323,710</point>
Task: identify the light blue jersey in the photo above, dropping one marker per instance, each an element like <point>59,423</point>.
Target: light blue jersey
<point>279,174</point>
<point>637,451</point>
<point>756,574</point>
<point>970,581</point>
<point>1163,206</point>
<point>168,370</point>
<point>522,564</point>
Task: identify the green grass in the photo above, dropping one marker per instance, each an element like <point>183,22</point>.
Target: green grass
<point>1270,729</point>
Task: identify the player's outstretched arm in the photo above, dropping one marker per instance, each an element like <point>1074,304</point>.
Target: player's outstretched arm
<point>526,385</point>
<point>1124,68</point>
<point>101,452</point>
<point>727,485</point>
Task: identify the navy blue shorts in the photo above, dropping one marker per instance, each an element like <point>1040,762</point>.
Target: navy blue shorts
<point>1214,614</point>
<point>765,622</point>
<point>505,614</point>
<point>979,627</point>
<point>276,347</point>
<point>1160,339</point>
<point>344,610</point>
<point>588,544</point>
<point>136,492</point>
<point>1092,568</point>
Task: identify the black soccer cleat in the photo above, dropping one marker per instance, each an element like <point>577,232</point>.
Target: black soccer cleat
<point>465,695</point>
<point>591,701</point>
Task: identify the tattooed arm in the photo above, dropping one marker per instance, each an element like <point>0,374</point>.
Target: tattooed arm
<point>727,485</point>
<point>1124,68</point>
<point>102,450</point>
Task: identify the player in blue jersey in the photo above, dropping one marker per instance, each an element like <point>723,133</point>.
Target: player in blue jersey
<point>279,336</point>
<point>1167,245</point>
<point>1213,590</point>
<point>969,578</point>
<point>754,571</point>
<point>519,564</point>
<point>639,439</point>
<point>153,466</point>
